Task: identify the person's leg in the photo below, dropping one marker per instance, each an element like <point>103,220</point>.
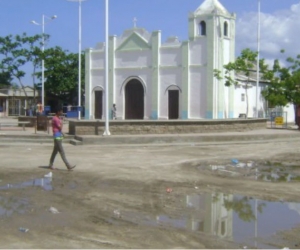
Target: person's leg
<point>62,154</point>
<point>54,153</point>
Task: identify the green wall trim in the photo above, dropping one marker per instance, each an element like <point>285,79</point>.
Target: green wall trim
<point>111,81</point>
<point>156,40</point>
<point>88,95</point>
<point>185,79</point>
<point>134,42</point>
<point>133,68</point>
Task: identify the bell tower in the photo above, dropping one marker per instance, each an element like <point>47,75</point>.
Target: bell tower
<point>214,26</point>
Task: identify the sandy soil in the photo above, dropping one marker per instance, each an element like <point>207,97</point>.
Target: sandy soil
<point>115,194</point>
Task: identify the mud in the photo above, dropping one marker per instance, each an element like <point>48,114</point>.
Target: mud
<point>151,196</point>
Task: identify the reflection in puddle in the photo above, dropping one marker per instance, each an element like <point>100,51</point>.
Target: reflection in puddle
<point>11,205</point>
<point>45,183</point>
<point>230,217</point>
<point>285,177</point>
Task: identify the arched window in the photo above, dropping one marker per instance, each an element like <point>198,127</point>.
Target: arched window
<point>225,29</point>
<point>202,28</point>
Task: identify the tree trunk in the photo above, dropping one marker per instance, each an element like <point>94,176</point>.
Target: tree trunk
<point>23,88</point>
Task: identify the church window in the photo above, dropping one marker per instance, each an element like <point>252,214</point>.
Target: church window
<point>225,29</point>
<point>202,28</point>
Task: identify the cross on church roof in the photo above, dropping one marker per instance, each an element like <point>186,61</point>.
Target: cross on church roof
<point>134,22</point>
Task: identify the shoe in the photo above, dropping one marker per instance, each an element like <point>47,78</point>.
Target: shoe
<point>70,168</point>
<point>51,167</point>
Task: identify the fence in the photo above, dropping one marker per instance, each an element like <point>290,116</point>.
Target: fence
<point>278,119</point>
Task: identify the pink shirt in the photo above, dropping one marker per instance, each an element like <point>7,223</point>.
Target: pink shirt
<point>56,124</point>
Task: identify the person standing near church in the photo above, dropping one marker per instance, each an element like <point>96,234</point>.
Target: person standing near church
<point>39,108</point>
<point>58,135</point>
<point>114,112</point>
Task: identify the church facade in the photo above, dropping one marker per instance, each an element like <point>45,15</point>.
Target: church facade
<point>151,79</point>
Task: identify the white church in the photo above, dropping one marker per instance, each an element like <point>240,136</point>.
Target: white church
<point>151,79</point>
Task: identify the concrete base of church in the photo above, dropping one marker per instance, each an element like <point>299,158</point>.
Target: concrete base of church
<point>127,127</point>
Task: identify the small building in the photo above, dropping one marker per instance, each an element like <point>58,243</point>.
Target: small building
<point>16,101</point>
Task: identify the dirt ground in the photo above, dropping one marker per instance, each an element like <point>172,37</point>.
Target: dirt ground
<point>115,195</point>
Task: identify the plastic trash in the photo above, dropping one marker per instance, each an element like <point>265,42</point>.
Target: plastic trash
<point>241,165</point>
<point>190,204</point>
<point>117,213</point>
<point>215,167</point>
<point>49,175</point>
<point>196,187</point>
<point>235,161</point>
<point>53,210</point>
<point>23,230</point>
<point>250,164</point>
<point>169,190</point>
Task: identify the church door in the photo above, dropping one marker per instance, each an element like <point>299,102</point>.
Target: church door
<point>98,104</point>
<point>134,100</point>
<point>173,104</point>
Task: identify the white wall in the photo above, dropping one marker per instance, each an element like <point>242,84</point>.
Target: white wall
<point>198,52</point>
<point>240,107</point>
<point>170,56</point>
<point>98,78</point>
<point>168,77</point>
<point>131,59</point>
<point>98,60</point>
<point>197,100</point>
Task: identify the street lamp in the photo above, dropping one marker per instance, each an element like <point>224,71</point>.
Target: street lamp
<point>79,56</point>
<point>106,132</point>
<point>43,48</point>
<point>258,51</point>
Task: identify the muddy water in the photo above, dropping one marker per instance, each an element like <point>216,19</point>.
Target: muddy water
<point>232,217</point>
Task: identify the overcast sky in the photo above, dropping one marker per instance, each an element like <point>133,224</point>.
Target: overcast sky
<point>280,21</point>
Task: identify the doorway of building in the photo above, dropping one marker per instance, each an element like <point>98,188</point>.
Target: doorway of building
<point>14,107</point>
<point>173,104</point>
<point>98,104</point>
<point>134,100</point>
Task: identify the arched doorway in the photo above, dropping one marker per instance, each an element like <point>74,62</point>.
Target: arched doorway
<point>134,100</point>
<point>173,104</point>
<point>98,104</point>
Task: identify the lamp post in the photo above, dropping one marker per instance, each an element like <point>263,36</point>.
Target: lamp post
<point>43,48</point>
<point>79,55</point>
<point>106,132</point>
<point>258,52</point>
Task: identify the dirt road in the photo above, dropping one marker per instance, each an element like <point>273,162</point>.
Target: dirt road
<point>144,196</point>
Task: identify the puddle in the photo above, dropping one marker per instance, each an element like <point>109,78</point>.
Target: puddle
<point>11,205</point>
<point>232,217</point>
<point>271,172</point>
<point>45,183</point>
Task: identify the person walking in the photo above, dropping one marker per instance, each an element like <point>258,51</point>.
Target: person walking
<point>57,126</point>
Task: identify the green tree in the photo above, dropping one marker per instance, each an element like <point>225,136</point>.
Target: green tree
<point>61,74</point>
<point>5,79</point>
<point>245,64</point>
<point>15,51</point>
<point>284,83</point>
<point>243,208</point>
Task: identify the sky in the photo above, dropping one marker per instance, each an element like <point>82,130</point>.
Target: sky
<point>280,22</point>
